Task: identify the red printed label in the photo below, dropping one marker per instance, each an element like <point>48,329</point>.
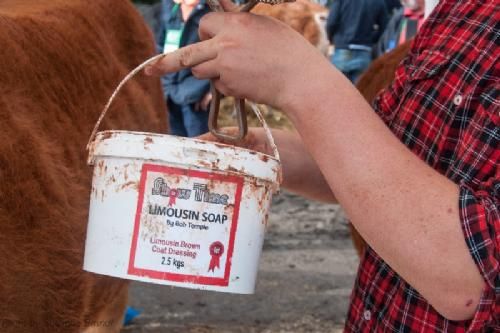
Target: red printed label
<point>185,225</point>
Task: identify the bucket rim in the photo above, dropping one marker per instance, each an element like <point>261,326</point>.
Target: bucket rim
<point>171,149</point>
<point>100,134</point>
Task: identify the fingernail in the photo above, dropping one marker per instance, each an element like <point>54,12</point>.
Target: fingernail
<point>148,70</point>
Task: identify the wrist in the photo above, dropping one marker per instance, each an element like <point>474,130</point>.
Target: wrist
<point>308,91</point>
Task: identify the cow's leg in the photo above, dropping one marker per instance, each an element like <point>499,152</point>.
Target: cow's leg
<point>110,319</point>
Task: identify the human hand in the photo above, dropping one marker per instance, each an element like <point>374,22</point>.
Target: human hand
<point>248,56</point>
<point>203,104</point>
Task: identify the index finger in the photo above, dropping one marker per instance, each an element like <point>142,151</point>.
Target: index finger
<point>188,56</point>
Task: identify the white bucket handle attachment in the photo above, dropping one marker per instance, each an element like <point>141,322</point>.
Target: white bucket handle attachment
<point>149,61</point>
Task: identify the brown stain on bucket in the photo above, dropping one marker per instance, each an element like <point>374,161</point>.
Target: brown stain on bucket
<point>106,135</point>
<point>174,179</point>
<point>229,209</point>
<point>261,191</point>
<point>148,141</point>
<point>266,219</point>
<point>130,185</point>
<point>111,180</point>
<point>100,167</point>
<point>153,229</point>
<point>206,164</point>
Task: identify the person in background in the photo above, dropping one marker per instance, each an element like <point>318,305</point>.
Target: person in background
<point>392,6</point>
<point>402,26</point>
<point>417,172</point>
<point>353,27</point>
<point>187,98</point>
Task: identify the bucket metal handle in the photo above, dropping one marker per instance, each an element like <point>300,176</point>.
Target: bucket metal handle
<point>241,114</point>
<point>240,111</point>
<point>213,116</point>
<point>136,70</point>
<point>117,90</point>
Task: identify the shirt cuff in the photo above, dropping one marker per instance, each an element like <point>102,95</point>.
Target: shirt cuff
<point>480,220</point>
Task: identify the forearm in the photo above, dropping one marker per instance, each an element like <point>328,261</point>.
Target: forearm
<point>405,210</point>
<point>301,175</point>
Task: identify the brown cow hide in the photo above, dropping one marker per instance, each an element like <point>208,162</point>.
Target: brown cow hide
<point>60,60</point>
<point>304,16</point>
<point>381,72</point>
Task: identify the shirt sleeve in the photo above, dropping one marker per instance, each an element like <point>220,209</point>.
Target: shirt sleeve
<point>480,219</point>
<point>479,202</point>
<point>479,157</point>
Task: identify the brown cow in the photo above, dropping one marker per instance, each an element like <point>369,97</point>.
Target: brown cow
<point>381,72</point>
<point>378,76</point>
<point>60,60</point>
<point>304,16</point>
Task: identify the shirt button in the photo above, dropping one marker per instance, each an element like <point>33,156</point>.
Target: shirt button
<point>367,315</point>
<point>457,100</point>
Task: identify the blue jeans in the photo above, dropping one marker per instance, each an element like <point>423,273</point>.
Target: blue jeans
<point>185,121</point>
<point>351,62</point>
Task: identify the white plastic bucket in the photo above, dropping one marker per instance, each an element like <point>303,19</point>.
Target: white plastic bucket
<point>177,211</point>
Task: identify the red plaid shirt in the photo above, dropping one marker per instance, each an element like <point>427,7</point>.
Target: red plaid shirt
<point>444,105</point>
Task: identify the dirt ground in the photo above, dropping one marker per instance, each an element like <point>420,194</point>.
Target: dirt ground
<point>306,272</point>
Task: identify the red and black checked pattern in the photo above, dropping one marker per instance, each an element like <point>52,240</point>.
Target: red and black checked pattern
<point>444,105</point>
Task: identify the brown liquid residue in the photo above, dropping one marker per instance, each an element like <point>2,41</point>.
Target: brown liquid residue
<point>106,135</point>
<point>100,166</point>
<point>147,141</point>
<point>131,184</point>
